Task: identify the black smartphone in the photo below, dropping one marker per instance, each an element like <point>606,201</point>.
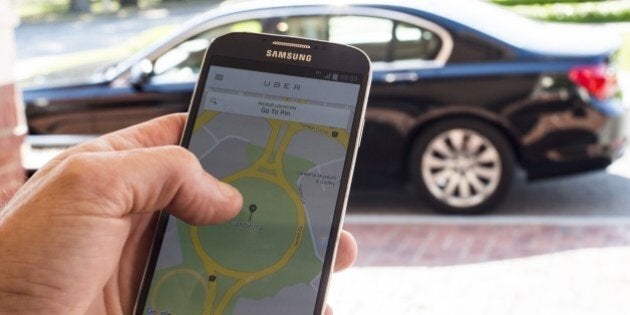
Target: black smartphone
<point>280,119</point>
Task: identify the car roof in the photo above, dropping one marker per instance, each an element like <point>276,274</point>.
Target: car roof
<point>481,17</point>
<point>485,19</point>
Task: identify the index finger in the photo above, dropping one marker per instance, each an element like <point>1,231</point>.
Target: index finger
<point>165,130</point>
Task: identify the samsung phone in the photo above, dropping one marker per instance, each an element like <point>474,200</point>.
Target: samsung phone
<point>280,119</point>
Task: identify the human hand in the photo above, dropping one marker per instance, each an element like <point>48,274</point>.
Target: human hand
<point>76,236</point>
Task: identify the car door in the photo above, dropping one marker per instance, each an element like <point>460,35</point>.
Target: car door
<point>404,59</point>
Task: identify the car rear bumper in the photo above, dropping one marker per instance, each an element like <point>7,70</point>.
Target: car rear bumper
<point>605,143</point>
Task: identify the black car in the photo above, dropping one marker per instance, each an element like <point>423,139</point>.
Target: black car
<point>462,92</point>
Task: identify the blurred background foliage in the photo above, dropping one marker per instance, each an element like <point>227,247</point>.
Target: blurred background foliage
<point>572,11</point>
<point>552,10</point>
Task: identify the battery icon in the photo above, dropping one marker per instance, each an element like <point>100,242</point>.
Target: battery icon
<point>335,76</point>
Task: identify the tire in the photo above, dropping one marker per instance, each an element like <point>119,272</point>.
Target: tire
<point>461,166</point>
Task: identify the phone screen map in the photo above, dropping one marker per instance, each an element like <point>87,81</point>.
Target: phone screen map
<point>281,140</point>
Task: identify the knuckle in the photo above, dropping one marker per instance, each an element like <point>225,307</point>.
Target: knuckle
<point>91,179</point>
<point>79,170</point>
<point>75,165</point>
<point>180,155</point>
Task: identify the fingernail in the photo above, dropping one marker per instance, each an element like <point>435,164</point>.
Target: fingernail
<point>227,189</point>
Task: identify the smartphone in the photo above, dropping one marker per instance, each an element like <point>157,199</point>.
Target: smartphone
<point>280,119</point>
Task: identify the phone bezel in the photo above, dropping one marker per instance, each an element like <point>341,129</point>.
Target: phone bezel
<point>325,55</point>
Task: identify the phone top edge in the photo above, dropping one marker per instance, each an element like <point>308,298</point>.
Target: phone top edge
<point>256,46</point>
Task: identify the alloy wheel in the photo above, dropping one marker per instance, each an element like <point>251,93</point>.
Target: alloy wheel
<point>461,167</point>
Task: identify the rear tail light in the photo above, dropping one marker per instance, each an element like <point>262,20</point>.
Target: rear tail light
<point>599,80</point>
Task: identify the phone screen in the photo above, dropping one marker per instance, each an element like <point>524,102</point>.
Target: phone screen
<point>280,135</point>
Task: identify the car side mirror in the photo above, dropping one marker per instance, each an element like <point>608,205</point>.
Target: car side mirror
<point>140,73</point>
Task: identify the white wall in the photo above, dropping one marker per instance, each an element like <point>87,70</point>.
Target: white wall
<point>12,122</point>
<point>8,21</point>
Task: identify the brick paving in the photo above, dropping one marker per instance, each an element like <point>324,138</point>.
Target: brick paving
<point>454,244</point>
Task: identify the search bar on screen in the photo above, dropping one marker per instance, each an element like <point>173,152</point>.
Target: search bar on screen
<point>277,109</point>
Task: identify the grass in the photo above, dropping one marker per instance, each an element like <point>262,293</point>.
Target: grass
<point>34,11</point>
<point>583,12</point>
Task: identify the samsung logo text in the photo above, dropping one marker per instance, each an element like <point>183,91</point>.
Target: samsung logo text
<point>288,55</point>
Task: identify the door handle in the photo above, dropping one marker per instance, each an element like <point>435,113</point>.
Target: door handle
<point>401,77</point>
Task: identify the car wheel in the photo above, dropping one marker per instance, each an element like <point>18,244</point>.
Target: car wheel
<point>462,166</point>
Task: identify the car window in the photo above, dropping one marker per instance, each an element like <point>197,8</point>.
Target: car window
<point>382,39</point>
<point>415,43</point>
<point>385,40</point>
<point>183,62</point>
<point>304,26</point>
<point>371,34</point>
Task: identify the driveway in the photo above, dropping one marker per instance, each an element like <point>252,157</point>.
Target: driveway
<point>93,32</point>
